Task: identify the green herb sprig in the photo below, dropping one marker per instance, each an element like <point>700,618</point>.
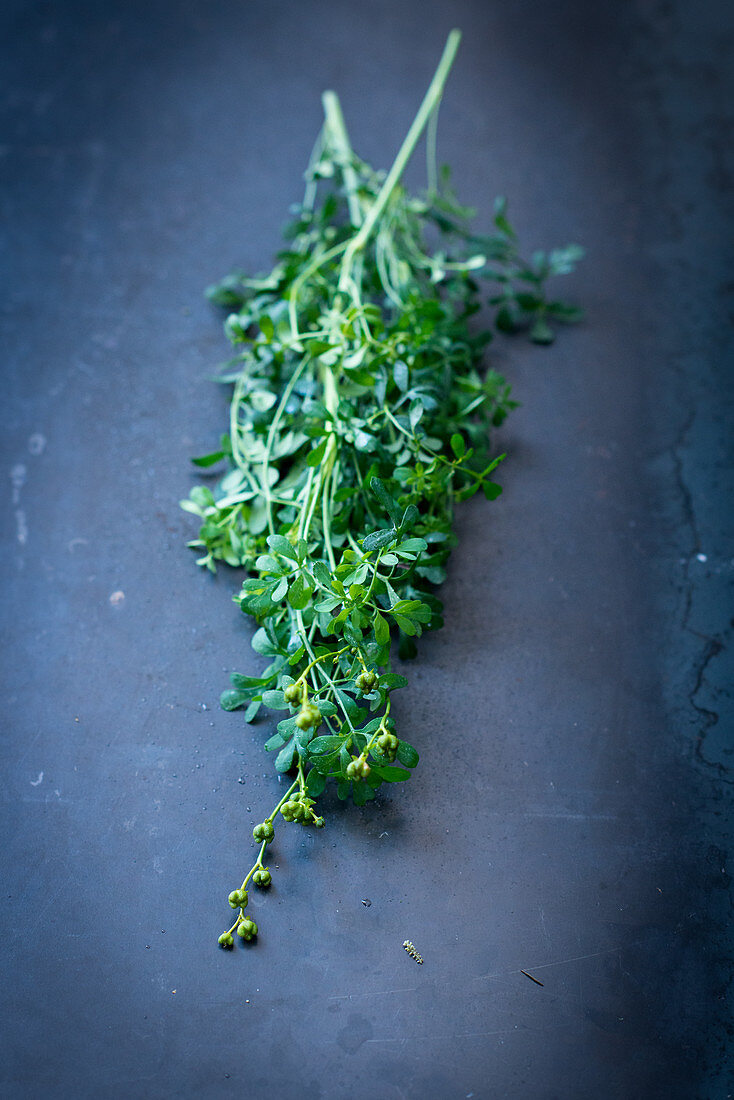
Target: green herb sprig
<point>360,415</point>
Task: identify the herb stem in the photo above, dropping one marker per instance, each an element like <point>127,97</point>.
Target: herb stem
<point>323,657</point>
<point>430,101</point>
<point>344,155</point>
<point>271,439</point>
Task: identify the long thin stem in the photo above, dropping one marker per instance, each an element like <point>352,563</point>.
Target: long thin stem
<point>430,102</point>
<point>338,130</point>
<point>431,157</point>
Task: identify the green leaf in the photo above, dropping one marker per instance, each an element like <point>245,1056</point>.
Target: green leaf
<point>263,644</point>
<point>275,700</point>
<point>209,460</point>
<point>249,682</point>
<point>280,590</point>
<point>287,727</point>
<point>284,759</point>
<point>562,261</point>
<point>359,794</point>
<point>315,783</point>
<point>458,446</point>
<point>528,302</point>
<point>232,700</point>
<point>561,311</point>
<point>412,546</point>
<point>541,332</point>
<point>302,739</point>
<point>393,681</point>
<point>385,499</point>
<point>391,774</point>
<point>324,744</point>
<point>202,497</point>
<point>435,574</point>
<point>407,754</point>
<point>299,594</point>
<point>262,400</point>
<point>363,441</point>
<point>505,321</point>
<point>327,604</point>
<point>252,710</point>
<point>377,540</point>
<point>317,454</point>
<point>282,546</point>
<point>382,629</point>
<point>410,515</point>
<point>400,375</point>
<point>322,573</point>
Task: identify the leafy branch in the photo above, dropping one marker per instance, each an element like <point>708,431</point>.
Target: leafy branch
<point>360,415</point>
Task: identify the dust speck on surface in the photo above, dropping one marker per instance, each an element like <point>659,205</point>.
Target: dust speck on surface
<point>37,443</point>
<point>117,598</point>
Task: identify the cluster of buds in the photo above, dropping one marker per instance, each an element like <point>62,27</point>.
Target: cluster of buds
<point>301,810</point>
<point>245,927</point>
<point>358,768</point>
<point>263,831</point>
<point>387,743</point>
<point>366,681</point>
<point>309,715</point>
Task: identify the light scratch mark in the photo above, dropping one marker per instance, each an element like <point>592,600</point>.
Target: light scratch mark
<point>560,962</point>
<point>37,782</point>
<point>371,993</point>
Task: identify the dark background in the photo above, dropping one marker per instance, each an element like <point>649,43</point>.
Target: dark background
<point>571,815</point>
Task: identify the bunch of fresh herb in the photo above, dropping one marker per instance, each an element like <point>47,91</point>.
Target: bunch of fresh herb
<point>360,415</point>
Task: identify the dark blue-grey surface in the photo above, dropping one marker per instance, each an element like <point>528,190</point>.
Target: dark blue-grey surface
<point>571,816</point>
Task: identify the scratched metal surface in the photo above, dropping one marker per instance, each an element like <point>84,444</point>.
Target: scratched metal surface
<point>577,698</point>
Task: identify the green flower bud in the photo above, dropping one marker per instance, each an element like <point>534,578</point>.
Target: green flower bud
<point>387,744</point>
<point>262,877</point>
<point>225,940</point>
<point>366,681</point>
<point>309,716</point>
<point>238,899</point>
<point>247,929</point>
<point>293,693</point>
<point>264,831</point>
